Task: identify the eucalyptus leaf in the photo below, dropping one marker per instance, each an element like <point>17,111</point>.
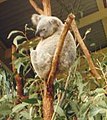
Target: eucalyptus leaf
<point>37,118</point>
<point>5,109</point>
<point>74,106</point>
<point>59,110</point>
<point>1,77</point>
<point>21,62</point>
<point>16,39</point>
<point>18,63</point>
<point>88,31</point>
<point>94,111</point>
<point>5,97</point>
<point>99,90</point>
<point>13,32</point>
<point>31,101</point>
<point>19,107</point>
<point>25,114</point>
<point>91,118</point>
<point>85,107</point>
<point>26,68</point>
<point>81,13</point>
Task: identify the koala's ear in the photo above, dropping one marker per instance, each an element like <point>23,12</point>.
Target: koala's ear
<point>35,19</point>
<point>55,22</point>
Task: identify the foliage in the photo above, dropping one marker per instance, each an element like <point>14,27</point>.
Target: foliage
<point>78,95</point>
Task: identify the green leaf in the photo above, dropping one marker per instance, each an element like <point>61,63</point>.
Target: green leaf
<point>5,109</point>
<point>74,106</point>
<point>19,107</point>
<point>81,13</point>
<point>16,39</point>
<point>99,90</point>
<point>88,31</point>
<point>25,114</point>
<point>26,68</point>
<point>1,77</point>
<point>21,62</point>
<point>91,118</point>
<point>18,63</point>
<point>99,96</point>
<point>30,101</point>
<point>14,32</point>
<point>94,111</point>
<point>59,110</point>
<point>6,97</point>
<point>37,118</point>
<point>17,55</point>
<point>85,107</point>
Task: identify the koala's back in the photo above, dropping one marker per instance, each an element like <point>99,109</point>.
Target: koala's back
<point>42,56</point>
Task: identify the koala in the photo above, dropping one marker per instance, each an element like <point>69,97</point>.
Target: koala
<point>49,29</point>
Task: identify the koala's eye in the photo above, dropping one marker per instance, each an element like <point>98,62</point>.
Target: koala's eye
<point>43,29</point>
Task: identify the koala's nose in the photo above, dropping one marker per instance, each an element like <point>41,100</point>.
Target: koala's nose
<point>37,33</point>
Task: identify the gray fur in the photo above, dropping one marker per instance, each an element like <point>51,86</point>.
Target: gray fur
<point>49,28</point>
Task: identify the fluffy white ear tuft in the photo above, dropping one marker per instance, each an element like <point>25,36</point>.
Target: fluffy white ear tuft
<point>35,19</point>
<point>55,22</point>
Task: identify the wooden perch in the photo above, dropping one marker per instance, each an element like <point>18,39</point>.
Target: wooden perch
<point>85,50</point>
<point>47,7</point>
<point>48,91</point>
<point>59,48</point>
<point>35,6</point>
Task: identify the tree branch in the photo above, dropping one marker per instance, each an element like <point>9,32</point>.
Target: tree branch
<point>85,50</point>
<point>18,79</point>
<point>48,91</point>
<point>47,7</point>
<point>35,6</point>
<point>59,48</point>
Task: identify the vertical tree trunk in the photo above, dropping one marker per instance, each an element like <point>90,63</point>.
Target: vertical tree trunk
<point>18,79</point>
<point>48,99</point>
<point>47,7</point>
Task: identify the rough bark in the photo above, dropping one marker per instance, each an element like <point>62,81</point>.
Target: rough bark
<point>47,7</point>
<point>35,6</point>
<point>59,48</point>
<point>18,79</point>
<point>48,108</point>
<point>85,50</point>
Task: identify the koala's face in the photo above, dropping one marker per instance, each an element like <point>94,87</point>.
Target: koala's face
<point>46,26</point>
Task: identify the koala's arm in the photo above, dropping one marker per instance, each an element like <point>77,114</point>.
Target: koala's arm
<point>41,63</point>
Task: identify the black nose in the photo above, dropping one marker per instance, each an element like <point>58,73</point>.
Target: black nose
<point>37,33</point>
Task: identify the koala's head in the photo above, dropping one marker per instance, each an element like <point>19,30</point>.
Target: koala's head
<point>45,25</point>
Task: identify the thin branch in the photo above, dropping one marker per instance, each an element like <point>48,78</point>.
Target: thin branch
<point>35,6</point>
<point>59,48</point>
<point>47,7</point>
<point>85,50</point>
<point>18,79</point>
